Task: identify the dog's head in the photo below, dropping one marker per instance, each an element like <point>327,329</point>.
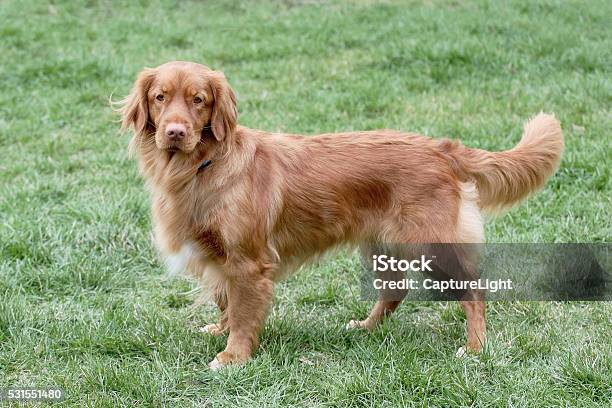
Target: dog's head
<point>178,103</point>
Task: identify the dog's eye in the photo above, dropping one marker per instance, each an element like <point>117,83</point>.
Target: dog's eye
<point>160,97</point>
<point>197,100</point>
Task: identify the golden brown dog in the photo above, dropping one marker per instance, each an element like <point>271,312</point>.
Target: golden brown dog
<point>239,208</point>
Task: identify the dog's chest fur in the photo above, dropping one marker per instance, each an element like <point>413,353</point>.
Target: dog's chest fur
<point>186,237</point>
<point>178,262</point>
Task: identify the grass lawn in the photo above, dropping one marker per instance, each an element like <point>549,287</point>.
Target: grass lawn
<point>84,302</point>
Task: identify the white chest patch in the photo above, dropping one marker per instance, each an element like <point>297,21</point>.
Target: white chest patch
<point>177,262</point>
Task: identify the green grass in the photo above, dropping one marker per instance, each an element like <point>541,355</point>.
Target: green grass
<point>84,303</point>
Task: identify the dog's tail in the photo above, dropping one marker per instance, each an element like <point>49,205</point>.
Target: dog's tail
<point>505,178</point>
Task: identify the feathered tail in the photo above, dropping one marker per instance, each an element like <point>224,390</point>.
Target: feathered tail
<point>505,178</point>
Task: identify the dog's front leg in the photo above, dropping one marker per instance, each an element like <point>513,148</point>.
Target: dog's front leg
<point>217,329</point>
<point>249,294</point>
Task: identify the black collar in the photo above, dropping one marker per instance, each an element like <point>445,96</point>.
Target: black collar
<point>204,165</point>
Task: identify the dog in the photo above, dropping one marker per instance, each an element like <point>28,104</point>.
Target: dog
<point>239,209</point>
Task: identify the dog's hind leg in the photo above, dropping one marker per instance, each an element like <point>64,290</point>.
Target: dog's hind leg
<point>388,300</point>
<point>381,309</point>
<point>476,326</point>
<point>470,230</point>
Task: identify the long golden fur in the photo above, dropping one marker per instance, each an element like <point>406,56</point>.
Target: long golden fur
<point>269,202</point>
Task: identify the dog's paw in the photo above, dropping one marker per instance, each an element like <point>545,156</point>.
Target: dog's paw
<point>465,351</point>
<point>212,329</point>
<point>225,359</point>
<point>356,324</point>
<point>216,365</point>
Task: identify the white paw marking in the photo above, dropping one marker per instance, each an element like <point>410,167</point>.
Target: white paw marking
<point>211,329</point>
<point>353,324</point>
<point>215,365</point>
<point>462,352</point>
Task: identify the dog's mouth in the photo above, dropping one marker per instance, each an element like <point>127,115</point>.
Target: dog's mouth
<point>172,147</point>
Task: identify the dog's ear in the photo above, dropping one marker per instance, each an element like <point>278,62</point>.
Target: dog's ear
<point>224,114</point>
<point>135,107</point>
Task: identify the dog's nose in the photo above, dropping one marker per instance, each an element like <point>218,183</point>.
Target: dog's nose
<point>175,131</point>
